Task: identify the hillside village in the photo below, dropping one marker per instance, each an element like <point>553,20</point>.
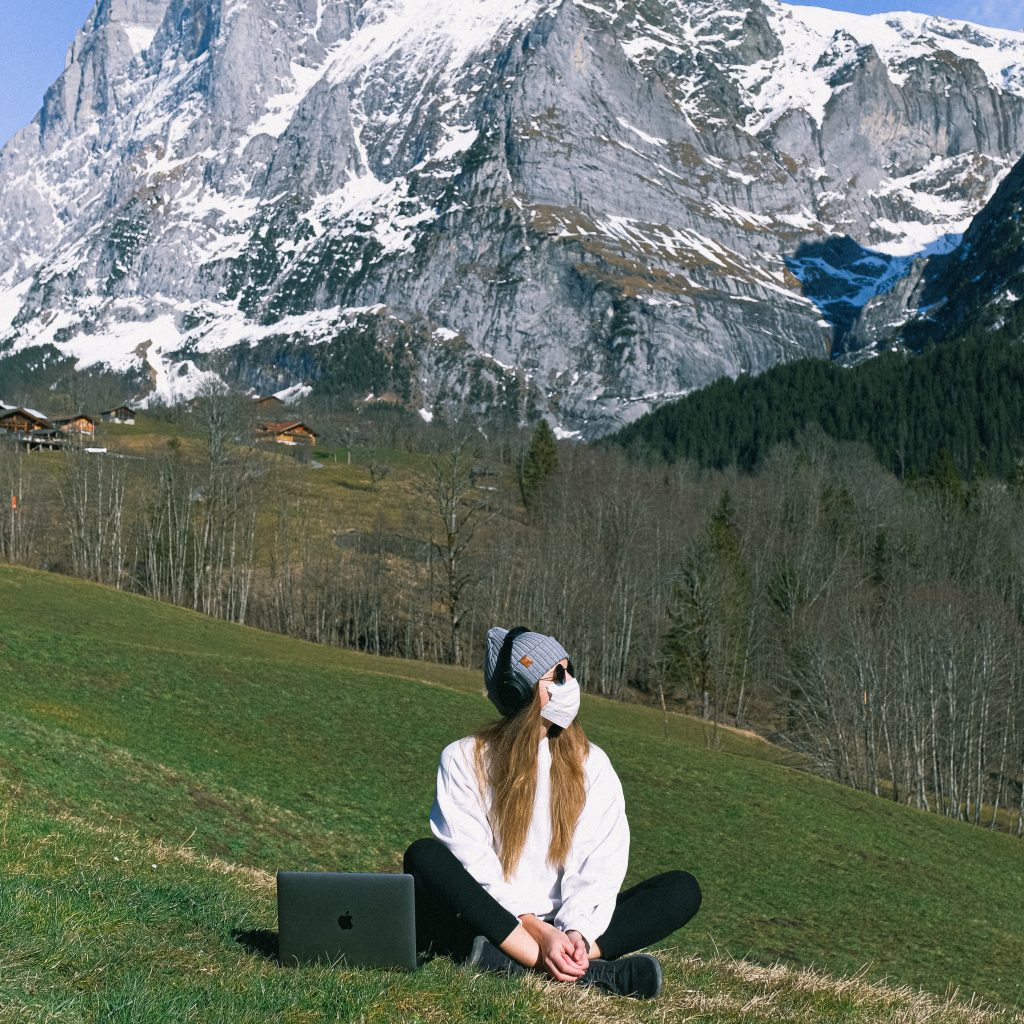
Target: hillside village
<point>36,431</point>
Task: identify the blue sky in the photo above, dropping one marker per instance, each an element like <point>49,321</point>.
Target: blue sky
<point>35,35</point>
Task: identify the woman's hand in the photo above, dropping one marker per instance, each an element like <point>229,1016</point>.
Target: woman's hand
<point>558,956</point>
<point>580,953</point>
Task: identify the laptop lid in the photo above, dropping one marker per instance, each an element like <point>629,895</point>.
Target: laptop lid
<point>360,920</point>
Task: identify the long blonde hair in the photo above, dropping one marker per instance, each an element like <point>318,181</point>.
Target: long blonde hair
<point>506,765</point>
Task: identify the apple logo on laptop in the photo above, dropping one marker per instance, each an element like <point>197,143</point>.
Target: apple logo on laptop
<point>345,922</point>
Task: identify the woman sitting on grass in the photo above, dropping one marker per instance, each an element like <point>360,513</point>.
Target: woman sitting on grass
<point>532,841</point>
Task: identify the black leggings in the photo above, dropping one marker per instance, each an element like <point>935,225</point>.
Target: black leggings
<point>452,907</point>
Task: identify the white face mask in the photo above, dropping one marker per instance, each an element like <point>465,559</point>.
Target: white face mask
<point>563,702</point>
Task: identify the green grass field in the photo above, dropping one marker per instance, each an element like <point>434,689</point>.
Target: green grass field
<point>157,767</point>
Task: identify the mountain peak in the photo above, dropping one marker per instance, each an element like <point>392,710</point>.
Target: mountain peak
<point>577,207</point>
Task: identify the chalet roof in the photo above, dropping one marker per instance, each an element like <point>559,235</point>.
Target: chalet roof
<point>31,414</point>
<point>118,408</point>
<point>280,428</point>
<point>71,419</point>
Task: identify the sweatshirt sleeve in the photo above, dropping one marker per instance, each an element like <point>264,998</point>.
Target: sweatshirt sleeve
<point>600,854</point>
<point>459,819</point>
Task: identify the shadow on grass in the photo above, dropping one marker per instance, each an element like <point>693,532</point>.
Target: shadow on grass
<point>260,942</point>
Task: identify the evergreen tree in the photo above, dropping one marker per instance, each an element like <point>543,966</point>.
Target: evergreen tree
<point>540,461</point>
<point>946,480</point>
<point>707,648</point>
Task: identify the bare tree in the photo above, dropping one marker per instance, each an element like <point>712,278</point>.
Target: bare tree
<point>456,514</point>
<point>166,530</point>
<point>93,496</point>
<point>21,514</point>
<point>223,538</point>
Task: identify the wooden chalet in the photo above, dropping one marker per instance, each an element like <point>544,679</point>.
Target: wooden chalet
<point>287,433</point>
<point>269,402</point>
<point>23,421</point>
<point>122,414</point>
<point>30,428</point>
<point>80,424</point>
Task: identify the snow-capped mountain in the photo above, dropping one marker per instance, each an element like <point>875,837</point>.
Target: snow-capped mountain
<point>585,206</point>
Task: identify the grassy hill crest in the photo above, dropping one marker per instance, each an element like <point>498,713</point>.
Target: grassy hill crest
<point>157,766</point>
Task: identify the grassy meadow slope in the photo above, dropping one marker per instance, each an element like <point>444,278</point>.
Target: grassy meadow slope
<point>156,767</point>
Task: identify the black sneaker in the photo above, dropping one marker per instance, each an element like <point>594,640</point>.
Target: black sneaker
<point>638,976</point>
<point>485,956</point>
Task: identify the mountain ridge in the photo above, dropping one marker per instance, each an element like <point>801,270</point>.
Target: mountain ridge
<point>578,209</point>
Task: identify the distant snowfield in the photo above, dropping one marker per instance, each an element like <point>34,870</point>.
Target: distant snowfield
<point>818,42</point>
<point>10,303</point>
<point>389,26</point>
<point>793,81</point>
<point>900,35</point>
<point>154,336</point>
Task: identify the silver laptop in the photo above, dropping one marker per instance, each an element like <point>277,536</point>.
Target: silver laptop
<point>355,920</point>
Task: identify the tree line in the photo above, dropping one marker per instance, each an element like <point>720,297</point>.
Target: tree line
<point>873,625</point>
<point>963,398</point>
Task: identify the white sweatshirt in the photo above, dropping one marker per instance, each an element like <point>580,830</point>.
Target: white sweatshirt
<point>579,896</point>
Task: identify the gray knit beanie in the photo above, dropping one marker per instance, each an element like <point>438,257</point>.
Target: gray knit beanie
<point>533,654</point>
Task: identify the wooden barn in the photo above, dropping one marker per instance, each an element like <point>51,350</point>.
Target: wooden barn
<point>287,433</point>
<point>80,424</point>
<point>268,402</point>
<point>122,414</point>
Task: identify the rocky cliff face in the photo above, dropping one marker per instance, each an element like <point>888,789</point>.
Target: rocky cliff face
<point>977,287</point>
<point>581,208</point>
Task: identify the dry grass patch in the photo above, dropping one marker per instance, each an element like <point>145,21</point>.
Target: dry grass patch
<point>157,852</point>
<point>725,990</point>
